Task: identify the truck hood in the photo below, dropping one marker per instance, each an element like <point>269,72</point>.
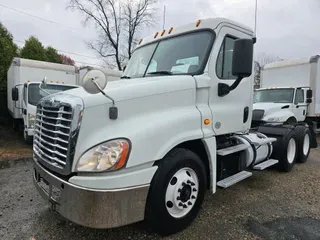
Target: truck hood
<point>273,109</point>
<point>126,89</point>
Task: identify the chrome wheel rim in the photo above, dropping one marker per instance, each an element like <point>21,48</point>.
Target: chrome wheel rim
<point>291,150</point>
<point>182,192</point>
<point>306,144</point>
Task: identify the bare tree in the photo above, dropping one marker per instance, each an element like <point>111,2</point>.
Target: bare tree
<point>118,23</point>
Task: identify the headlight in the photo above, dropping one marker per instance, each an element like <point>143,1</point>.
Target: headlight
<point>110,155</point>
<point>275,119</point>
<point>31,119</point>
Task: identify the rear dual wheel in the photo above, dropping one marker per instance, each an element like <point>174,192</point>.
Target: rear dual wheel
<point>293,147</point>
<point>303,137</point>
<point>285,150</point>
<point>176,193</point>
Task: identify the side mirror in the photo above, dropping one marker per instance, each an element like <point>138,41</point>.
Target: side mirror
<point>242,58</point>
<point>94,81</point>
<point>309,93</point>
<point>241,64</point>
<point>309,100</point>
<point>43,83</point>
<point>15,94</point>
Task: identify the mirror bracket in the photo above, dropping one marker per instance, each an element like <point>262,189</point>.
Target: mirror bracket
<point>113,111</point>
<point>225,89</point>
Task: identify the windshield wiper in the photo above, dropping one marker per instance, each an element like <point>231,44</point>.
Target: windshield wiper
<point>161,72</point>
<point>125,77</point>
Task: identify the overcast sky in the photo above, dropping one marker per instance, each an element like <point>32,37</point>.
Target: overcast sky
<point>286,28</point>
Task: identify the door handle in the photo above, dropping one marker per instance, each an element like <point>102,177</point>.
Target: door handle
<point>298,106</point>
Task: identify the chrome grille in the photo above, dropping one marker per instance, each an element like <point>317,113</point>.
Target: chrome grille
<point>52,133</point>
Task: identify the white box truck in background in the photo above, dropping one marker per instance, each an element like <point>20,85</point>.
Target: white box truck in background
<point>23,80</point>
<point>289,93</point>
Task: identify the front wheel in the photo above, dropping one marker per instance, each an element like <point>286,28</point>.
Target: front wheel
<point>176,193</point>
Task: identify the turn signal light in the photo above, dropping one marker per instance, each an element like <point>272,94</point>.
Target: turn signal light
<point>207,121</point>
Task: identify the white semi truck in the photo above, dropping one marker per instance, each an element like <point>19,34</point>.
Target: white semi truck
<point>289,92</point>
<point>148,147</point>
<point>23,80</point>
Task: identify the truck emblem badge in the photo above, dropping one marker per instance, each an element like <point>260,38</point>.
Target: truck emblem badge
<point>50,103</point>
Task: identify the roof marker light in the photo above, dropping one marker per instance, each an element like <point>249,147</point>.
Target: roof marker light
<point>156,34</point>
<point>140,41</point>
<point>198,23</point>
<point>163,32</point>
<point>170,30</point>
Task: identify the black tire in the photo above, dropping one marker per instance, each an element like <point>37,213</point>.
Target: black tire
<point>280,152</point>
<point>301,132</point>
<point>157,215</point>
<point>291,121</point>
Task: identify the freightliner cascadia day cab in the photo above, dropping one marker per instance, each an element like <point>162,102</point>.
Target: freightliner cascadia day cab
<point>289,92</point>
<point>148,147</point>
<point>23,80</point>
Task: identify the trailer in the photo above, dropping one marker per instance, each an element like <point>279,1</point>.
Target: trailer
<point>23,81</point>
<point>289,93</point>
<point>150,145</point>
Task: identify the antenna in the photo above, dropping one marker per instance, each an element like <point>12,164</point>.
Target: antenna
<point>164,16</point>
<point>255,18</point>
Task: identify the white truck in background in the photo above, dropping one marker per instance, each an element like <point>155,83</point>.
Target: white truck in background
<point>148,146</point>
<point>289,93</point>
<point>23,80</point>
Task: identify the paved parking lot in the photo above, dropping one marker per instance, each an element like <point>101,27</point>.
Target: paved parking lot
<point>269,205</point>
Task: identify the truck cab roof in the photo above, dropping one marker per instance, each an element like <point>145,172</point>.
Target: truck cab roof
<point>209,23</point>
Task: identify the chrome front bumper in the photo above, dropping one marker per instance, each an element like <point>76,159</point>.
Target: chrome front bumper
<point>94,208</point>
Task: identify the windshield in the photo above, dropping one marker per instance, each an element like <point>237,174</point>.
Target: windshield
<point>35,94</point>
<point>185,54</point>
<point>284,95</point>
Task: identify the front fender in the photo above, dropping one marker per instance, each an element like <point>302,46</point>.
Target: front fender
<point>153,124</point>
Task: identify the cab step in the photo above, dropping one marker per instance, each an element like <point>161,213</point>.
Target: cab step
<point>265,164</point>
<point>232,149</point>
<point>229,181</point>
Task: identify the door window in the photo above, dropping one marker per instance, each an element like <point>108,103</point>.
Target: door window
<point>224,61</point>
<point>299,96</point>
<point>25,94</point>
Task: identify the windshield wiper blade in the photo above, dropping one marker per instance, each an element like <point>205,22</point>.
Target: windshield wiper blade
<point>161,72</point>
<point>125,77</point>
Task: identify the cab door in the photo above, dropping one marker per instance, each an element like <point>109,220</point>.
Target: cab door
<point>24,106</point>
<point>232,112</point>
<point>300,106</point>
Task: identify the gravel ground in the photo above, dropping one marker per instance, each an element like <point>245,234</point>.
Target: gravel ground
<point>269,205</point>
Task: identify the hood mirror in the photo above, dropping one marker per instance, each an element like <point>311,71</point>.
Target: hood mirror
<point>94,81</point>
